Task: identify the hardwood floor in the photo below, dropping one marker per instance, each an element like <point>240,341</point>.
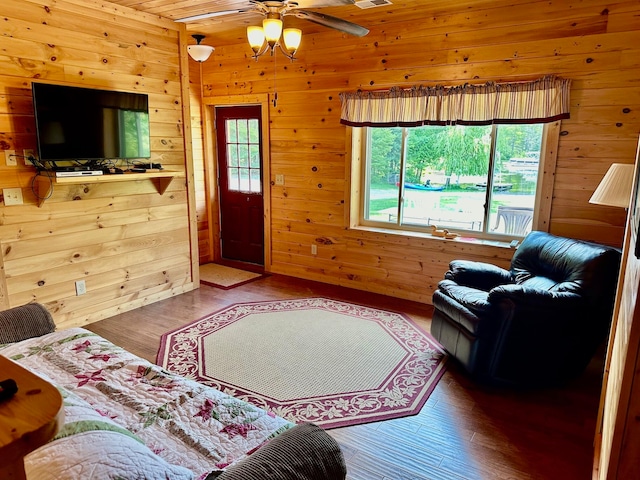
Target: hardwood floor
<point>464,431</point>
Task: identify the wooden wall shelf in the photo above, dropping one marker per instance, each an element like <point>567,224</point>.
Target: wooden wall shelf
<point>43,183</point>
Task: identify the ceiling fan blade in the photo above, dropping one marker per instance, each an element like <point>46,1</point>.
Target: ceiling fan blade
<point>322,3</point>
<point>204,16</point>
<point>331,22</point>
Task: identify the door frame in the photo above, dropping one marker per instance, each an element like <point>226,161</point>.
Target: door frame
<point>211,168</point>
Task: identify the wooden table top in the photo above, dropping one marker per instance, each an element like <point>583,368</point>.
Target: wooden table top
<point>27,420</point>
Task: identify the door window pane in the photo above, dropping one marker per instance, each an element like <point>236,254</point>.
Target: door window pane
<point>254,131</point>
<point>243,155</point>
<point>232,155</point>
<point>254,154</point>
<point>233,178</point>
<point>255,183</point>
<point>244,179</point>
<point>232,131</point>
<point>243,131</point>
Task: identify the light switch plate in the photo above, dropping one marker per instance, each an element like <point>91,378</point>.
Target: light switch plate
<point>279,179</point>
<point>81,287</point>
<point>12,196</point>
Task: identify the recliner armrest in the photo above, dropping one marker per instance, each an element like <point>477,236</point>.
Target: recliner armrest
<point>539,298</point>
<point>480,275</point>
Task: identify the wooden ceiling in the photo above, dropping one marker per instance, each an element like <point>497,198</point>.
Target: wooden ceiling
<point>231,28</point>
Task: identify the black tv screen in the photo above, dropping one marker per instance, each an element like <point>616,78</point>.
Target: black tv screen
<point>85,124</point>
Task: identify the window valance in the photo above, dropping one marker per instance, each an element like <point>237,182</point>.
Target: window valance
<point>540,101</point>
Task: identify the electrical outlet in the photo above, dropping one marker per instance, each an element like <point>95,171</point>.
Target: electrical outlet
<point>10,158</point>
<point>314,249</point>
<point>27,152</point>
<point>279,179</point>
<point>81,287</point>
<point>12,196</point>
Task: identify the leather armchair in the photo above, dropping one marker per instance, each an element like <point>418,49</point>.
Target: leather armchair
<point>538,323</point>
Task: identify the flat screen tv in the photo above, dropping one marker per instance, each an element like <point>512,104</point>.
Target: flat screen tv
<point>86,125</point>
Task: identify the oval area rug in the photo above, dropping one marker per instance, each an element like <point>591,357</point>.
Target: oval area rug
<point>311,359</point>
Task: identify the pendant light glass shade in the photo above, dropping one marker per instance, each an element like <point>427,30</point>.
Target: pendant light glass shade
<point>200,53</point>
<point>292,38</point>
<point>272,30</point>
<point>255,35</point>
<point>267,37</point>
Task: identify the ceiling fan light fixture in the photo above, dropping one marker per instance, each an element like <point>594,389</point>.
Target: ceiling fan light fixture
<point>272,30</point>
<point>255,35</point>
<point>268,37</point>
<point>292,38</point>
<point>200,53</point>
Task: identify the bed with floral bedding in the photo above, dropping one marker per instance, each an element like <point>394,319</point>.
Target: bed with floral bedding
<point>128,418</point>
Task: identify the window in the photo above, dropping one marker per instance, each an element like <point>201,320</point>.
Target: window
<point>479,181</point>
<point>243,155</point>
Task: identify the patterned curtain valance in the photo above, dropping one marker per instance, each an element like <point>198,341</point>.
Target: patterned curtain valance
<point>540,101</point>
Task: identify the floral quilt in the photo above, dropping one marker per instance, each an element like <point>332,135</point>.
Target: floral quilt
<point>120,398</point>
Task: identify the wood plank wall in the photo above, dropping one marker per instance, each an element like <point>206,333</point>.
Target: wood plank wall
<point>617,439</point>
<point>593,42</point>
<point>130,244</point>
<point>200,184</point>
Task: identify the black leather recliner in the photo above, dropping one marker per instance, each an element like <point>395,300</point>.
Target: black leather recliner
<point>538,323</point>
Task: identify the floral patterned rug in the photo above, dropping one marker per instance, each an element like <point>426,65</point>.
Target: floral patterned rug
<point>311,359</point>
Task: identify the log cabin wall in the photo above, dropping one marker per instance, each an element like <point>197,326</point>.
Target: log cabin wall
<point>201,186</point>
<point>130,244</point>
<point>617,440</point>
<point>592,42</point>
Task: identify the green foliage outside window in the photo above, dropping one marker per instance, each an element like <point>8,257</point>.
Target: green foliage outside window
<point>446,170</point>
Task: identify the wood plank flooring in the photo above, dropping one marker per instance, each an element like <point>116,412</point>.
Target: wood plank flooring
<point>464,431</point>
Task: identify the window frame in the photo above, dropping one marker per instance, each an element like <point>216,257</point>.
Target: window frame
<point>357,142</point>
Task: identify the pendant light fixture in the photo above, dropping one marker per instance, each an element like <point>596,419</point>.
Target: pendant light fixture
<point>200,53</point>
<point>267,37</point>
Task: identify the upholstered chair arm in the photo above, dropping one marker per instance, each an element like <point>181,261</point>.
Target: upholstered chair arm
<point>25,321</point>
<point>479,275</point>
<point>539,299</point>
<point>304,452</point>
<point>543,337</point>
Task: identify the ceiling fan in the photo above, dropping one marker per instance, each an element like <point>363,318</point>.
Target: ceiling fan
<point>298,8</point>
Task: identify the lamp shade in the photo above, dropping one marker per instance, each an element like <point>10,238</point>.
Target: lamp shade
<point>292,38</point>
<point>255,35</point>
<point>615,187</point>
<point>272,30</point>
<point>200,53</point>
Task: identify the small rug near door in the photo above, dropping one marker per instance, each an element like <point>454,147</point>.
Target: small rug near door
<point>312,359</point>
<point>223,277</point>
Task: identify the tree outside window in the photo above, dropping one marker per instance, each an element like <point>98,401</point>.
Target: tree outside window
<point>474,179</point>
